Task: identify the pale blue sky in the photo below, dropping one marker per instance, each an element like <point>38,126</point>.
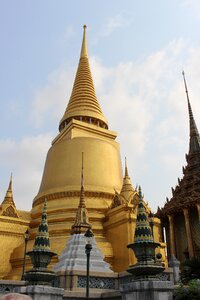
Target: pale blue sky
<point>137,51</point>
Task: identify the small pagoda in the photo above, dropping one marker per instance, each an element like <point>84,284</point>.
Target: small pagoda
<point>41,255</point>
<point>181,214</point>
<point>147,267</point>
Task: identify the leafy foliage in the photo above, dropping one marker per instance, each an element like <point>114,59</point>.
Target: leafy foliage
<point>191,270</point>
<point>192,291</point>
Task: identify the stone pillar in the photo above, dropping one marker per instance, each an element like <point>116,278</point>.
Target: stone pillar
<point>188,233</point>
<point>147,290</point>
<point>175,264</point>
<point>172,235</point>
<point>198,209</point>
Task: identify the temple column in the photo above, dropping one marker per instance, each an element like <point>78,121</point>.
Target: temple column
<point>198,209</point>
<point>188,233</point>
<point>171,235</point>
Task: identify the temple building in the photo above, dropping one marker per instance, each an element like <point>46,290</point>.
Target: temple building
<point>111,200</point>
<point>181,214</point>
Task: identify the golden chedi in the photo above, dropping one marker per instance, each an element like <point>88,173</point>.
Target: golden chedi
<point>83,128</point>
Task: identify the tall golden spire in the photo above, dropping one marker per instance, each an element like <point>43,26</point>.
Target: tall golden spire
<point>83,104</point>
<point>194,134</point>
<point>81,220</point>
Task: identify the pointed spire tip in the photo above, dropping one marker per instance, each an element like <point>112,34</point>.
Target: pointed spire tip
<point>194,134</point>
<point>10,183</point>
<point>126,168</point>
<point>84,51</point>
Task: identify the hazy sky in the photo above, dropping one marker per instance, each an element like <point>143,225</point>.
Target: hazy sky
<point>137,51</point>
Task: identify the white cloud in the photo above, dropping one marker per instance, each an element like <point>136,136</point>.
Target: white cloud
<point>50,101</point>
<point>25,159</point>
<point>114,22</point>
<point>192,7</point>
<point>69,32</point>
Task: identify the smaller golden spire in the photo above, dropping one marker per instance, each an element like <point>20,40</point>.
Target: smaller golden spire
<point>81,220</point>
<point>8,207</point>
<point>9,194</point>
<point>84,51</point>
<point>127,185</point>
<point>82,193</point>
<point>127,195</point>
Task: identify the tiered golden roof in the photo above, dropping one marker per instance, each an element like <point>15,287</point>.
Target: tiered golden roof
<point>83,104</point>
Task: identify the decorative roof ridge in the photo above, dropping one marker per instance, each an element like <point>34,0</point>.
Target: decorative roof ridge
<point>194,134</point>
<point>179,196</point>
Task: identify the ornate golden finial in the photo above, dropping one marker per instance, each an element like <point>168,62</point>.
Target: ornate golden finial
<point>8,204</point>
<point>127,185</point>
<point>84,51</point>
<point>127,194</point>
<point>10,183</point>
<point>9,194</point>
<point>126,169</point>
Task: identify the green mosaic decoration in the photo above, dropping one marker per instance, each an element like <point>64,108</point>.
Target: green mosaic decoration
<point>42,242</point>
<point>143,232</point>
